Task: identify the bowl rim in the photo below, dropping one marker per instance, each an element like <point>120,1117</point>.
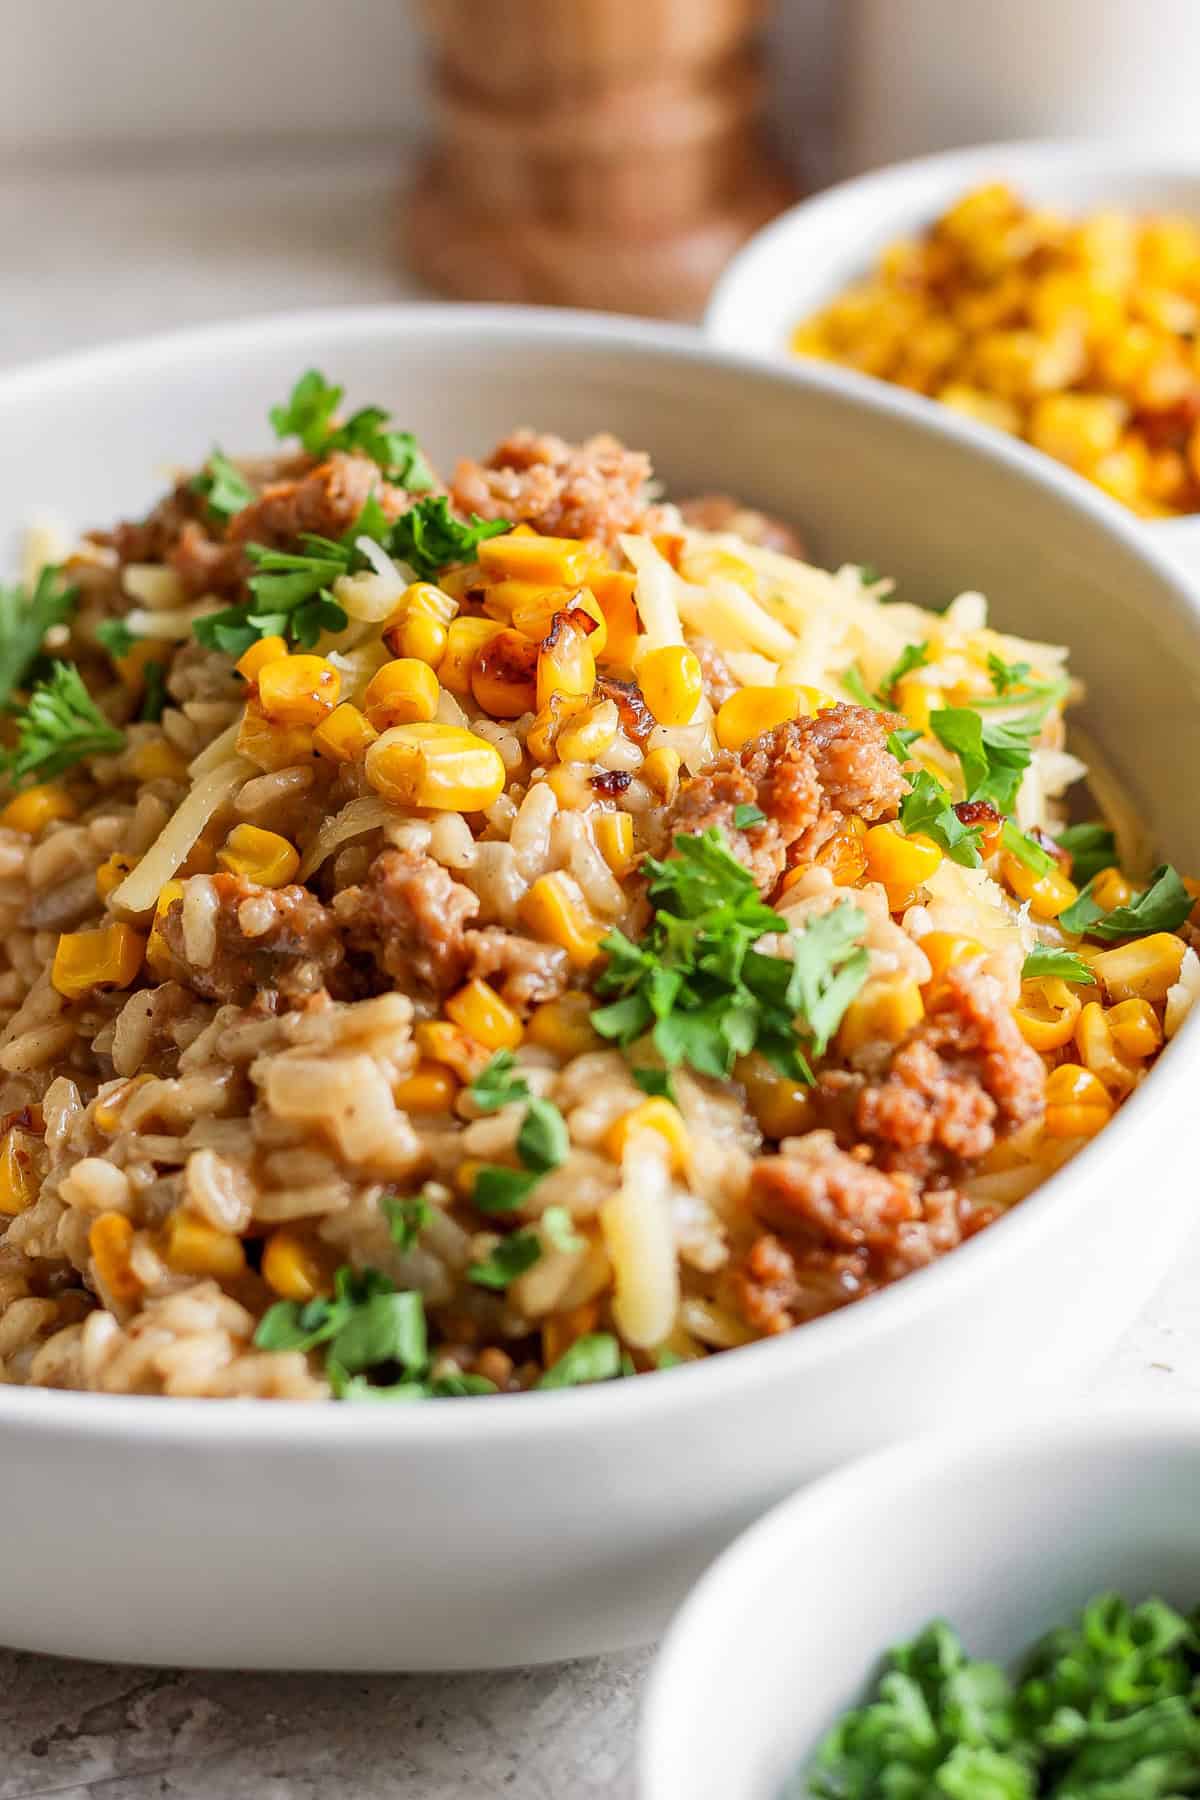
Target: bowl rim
<point>199,1422</point>
<point>711,1608</point>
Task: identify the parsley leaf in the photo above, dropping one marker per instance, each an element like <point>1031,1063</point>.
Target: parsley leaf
<point>155,697</point>
<point>655,1081</point>
<point>1162,906</point>
<point>745,816</point>
<point>511,1257</point>
<point>498,1085</point>
<point>1044,961</point>
<point>993,757</point>
<point>913,656</point>
<point>1092,847</point>
<point>428,537</point>
<point>60,725</point>
<point>596,1357</point>
<point>559,1229</point>
<point>309,415</point>
<point>855,685</point>
<point>407,1219</point>
<point>499,1189</point>
<point>116,637</point>
<point>25,618</point>
<point>1006,675</point>
<point>928,808</point>
<point>542,1142</point>
<point>1027,849</point>
<point>223,487</point>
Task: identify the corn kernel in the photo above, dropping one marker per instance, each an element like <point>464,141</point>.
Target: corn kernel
<point>430,1088</point>
<point>541,739</point>
<point>418,627</point>
<point>563,562</point>
<point>344,735</point>
<point>110,1241</point>
<point>1077,1104</point>
<point>298,690</point>
<point>256,658</point>
<point>1098,1053</point>
<point>753,710</point>
<point>917,699</point>
<point>1047,1013</point>
<point>18,1180</point>
<point>106,1113</point>
<point>261,856</point>
<point>660,772</point>
<point>672,683</point>
<point>441,1041</point>
<point>614,593</point>
<point>158,956</point>
<point>1048,895</point>
<point>946,949</point>
<point>504,678</point>
<point>157,760</point>
<point>108,957</point>
<point>554,910</point>
<point>1077,429</point>
<point>887,1009</point>
<point>564,1026</point>
<point>782,1105</point>
<point>295,1265</point>
<point>112,872</point>
<point>132,667</point>
<point>565,662</point>
<point>444,767</point>
<point>1135,1029</point>
<point>403,692</point>
<point>613,832</point>
<point>535,617</point>
<point>901,863</point>
<point>191,1246</point>
<point>569,787</point>
<point>813,701</point>
<point>465,638</point>
<point>504,598</point>
<point>658,1115</point>
<point>481,1012</point>
<point>586,736</point>
<point>1110,890</point>
<point>1143,970</point>
<point>30,811</point>
<point>270,743</point>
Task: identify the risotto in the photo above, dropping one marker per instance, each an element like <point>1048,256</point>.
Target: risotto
<point>470,936</point>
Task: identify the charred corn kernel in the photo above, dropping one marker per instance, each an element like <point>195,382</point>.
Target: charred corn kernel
<point>1135,1029</point>
<point>753,710</point>
<point>18,1181</point>
<point>429,1089</point>
<point>466,582</point>
<point>441,1041</point>
<point>901,863</point>
<point>614,593</point>
<point>261,856</point>
<point>844,854</point>
<point>270,743</point>
<point>403,692</point>
<point>1047,1013</point>
<point>887,1009</point>
<point>465,638</point>
<point>656,1114</point>
<point>587,735</point>
<point>660,772</point>
<point>133,665</point>
<point>344,735</point>
<point>541,740</point>
<point>562,562</point>
<point>1098,1052</point>
<point>565,662</point>
<point>112,872</point>
<point>916,699</point>
<point>157,760</point>
<point>444,767</point>
<point>484,1015</point>
<point>564,1026</point>
<point>504,677</point>
<point>505,597</point>
<point>554,910</point>
<point>158,957</point>
<point>1143,970</point>
<point>110,1241</point>
<point>1077,1103</point>
<point>108,957</point>
<point>613,832</point>
<point>1047,894</point>
<point>947,948</point>
<point>1110,889</point>
<point>569,787</point>
<point>298,690</point>
<point>535,617</point>
<point>782,1105</point>
<point>672,683</point>
<point>295,1265</point>
<point>256,658</point>
<point>191,1246</point>
<point>30,811</point>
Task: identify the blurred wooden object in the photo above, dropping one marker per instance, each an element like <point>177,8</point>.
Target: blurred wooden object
<point>600,153</point>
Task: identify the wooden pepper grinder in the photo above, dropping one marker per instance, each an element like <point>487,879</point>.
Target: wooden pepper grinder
<point>602,153</point>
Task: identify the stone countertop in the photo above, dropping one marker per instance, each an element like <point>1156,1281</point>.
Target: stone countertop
<point>106,253</point>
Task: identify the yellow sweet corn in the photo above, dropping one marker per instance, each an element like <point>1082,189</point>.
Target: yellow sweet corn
<point>560,562</point>
<point>444,767</point>
<point>1047,1013</point>
<point>484,1015</point>
<point>430,1088</point>
<point>29,812</point>
<point>298,690</point>
<point>18,1181</point>
<point>419,625</point>
<point>261,856</point>
<point>564,1026</point>
<point>108,957</point>
<point>1098,1052</point>
<point>945,949</point>
<point>1048,895</point>
<point>1135,1028</point>
<point>403,692</point>
<point>900,863</point>
<point>660,772</point>
<point>672,683</point>
<point>1110,890</point>
<point>508,596</point>
<point>112,872</point>
<point>110,1241</point>
<point>191,1246</point>
<point>535,616</point>
<point>270,743</point>
<point>613,832</point>
<point>504,676</point>
<point>465,638</point>
<point>782,1105</point>
<point>917,699</point>
<point>565,662</point>
<point>158,957</point>
<point>1143,970</point>
<point>256,658</point>
<point>658,1115</point>
<point>886,1008</point>
<point>554,910</point>
<point>441,1041</point>
<point>106,1113</point>
<point>344,735</point>
<point>157,760</point>
<point>614,593</point>
<point>541,739</point>
<point>587,735</point>
<point>753,710</point>
<point>569,787</point>
<point>296,1265</point>
<point>1077,1103</point>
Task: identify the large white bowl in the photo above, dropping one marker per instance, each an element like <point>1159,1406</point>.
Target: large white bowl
<point>1004,1536</point>
<point>815,250</point>
<point>550,1525</point>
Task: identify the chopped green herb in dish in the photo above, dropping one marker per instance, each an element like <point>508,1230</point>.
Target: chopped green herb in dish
<point>59,726</point>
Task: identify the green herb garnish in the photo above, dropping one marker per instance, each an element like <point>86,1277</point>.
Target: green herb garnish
<point>596,1357</point>
<point>116,637</point>
<point>928,808</point>
<point>854,682</point>
<point>1006,675</point>
<point>499,1189</point>
<point>511,1257</point>
<point>407,1219</point>
<point>1026,849</point>
<point>913,656</point>
<point>1044,961</point>
<point>697,982</point>
<point>309,415</point>
<point>60,725</point>
<point>25,618</point>
<point>657,1082</point>
<point>993,757</point>
<point>499,1084</point>
<point>155,697</point>
<point>1092,848</point>
<point>1163,905</point>
<point>558,1228</point>
<point>223,487</point>
<point>429,538</point>
<point>746,816</point>
<point>542,1140</point>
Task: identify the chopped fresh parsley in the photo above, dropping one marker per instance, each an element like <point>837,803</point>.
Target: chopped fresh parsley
<point>913,656</point>
<point>542,1141</point>
<point>746,816</point>
<point>853,681</point>
<point>1092,848</point>
<point>223,487</point>
<point>697,982</point>
<point>510,1258</point>
<point>310,412</point>
<point>499,1084</point>
<point>1026,849</point>
<point>154,699</point>
<point>406,1218</point>
<point>1161,906</point>
<point>993,757</point>
<point>60,724</point>
<point>429,538</point>
<point>657,1082</point>
<point>1006,675</point>
<point>927,808</point>
<point>596,1357</point>
<point>1044,962</point>
<point>499,1189</point>
<point>116,637</point>
<point>25,618</point>
<point>558,1229</point>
